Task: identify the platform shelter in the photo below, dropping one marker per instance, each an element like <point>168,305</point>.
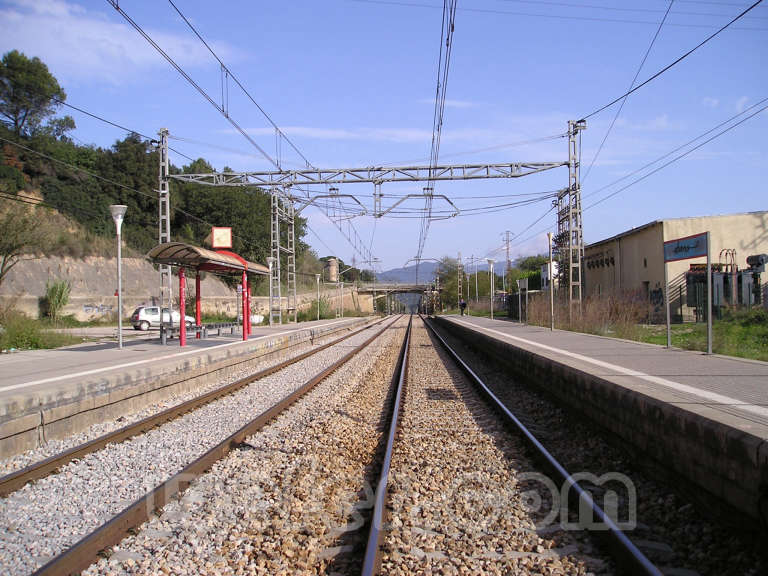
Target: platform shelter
<point>187,256</point>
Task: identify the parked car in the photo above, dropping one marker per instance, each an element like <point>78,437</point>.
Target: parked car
<point>145,317</point>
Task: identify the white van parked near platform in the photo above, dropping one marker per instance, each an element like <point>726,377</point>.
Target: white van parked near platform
<point>145,317</point>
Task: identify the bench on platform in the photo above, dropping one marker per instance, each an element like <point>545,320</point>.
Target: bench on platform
<point>205,330</point>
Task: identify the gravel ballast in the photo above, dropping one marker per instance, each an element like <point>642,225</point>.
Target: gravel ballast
<point>458,502</point>
<point>57,446</point>
<point>291,500</point>
<point>43,518</point>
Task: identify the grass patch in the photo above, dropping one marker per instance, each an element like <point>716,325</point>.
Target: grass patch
<point>24,333</point>
<point>740,333</point>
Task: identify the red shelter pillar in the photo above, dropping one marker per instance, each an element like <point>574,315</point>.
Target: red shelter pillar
<point>197,303</point>
<point>182,306</point>
<point>250,328</point>
<point>245,305</point>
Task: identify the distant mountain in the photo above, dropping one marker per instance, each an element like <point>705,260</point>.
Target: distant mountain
<point>408,274</point>
<point>426,272</point>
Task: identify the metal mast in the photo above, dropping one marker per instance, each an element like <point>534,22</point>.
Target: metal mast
<point>282,211</point>
<point>570,243</point>
<point>164,220</point>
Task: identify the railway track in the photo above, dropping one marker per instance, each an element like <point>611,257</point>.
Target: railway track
<point>140,474</point>
<point>395,461</point>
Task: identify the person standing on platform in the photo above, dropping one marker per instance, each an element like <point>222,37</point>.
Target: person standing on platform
<point>462,306</point>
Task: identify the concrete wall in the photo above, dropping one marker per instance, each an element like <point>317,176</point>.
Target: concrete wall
<point>94,281</point>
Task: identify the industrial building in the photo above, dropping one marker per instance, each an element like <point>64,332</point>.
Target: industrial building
<point>632,264</point>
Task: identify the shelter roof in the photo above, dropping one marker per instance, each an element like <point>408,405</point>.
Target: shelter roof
<point>180,254</point>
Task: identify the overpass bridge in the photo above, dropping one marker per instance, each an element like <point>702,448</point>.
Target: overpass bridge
<point>392,288</point>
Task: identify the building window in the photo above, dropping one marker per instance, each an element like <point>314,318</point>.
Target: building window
<point>645,262</point>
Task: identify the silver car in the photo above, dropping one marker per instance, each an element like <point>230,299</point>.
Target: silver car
<point>145,317</point>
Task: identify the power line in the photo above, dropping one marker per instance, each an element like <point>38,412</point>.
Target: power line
<point>622,9</point>
<point>492,11</point>
<point>113,182</point>
<point>668,66</point>
<point>662,157</point>
<point>624,100</point>
<point>480,150</point>
<point>115,124</point>
<point>683,155</point>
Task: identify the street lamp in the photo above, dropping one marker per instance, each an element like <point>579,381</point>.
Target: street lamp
<point>490,264</point>
<point>118,212</point>
<point>270,263</point>
<point>317,278</point>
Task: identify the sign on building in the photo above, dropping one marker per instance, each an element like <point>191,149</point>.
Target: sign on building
<point>683,248</point>
<point>695,246</point>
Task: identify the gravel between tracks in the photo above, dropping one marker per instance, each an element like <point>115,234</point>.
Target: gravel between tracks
<point>287,502</point>
<point>43,518</point>
<point>57,446</point>
<point>670,530</point>
<point>458,503</point>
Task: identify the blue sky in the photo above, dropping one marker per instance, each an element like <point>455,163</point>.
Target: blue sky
<point>352,83</point>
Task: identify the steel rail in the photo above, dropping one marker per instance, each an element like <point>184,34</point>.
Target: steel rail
<point>372,558</point>
<point>83,553</point>
<point>622,548</point>
<point>16,480</point>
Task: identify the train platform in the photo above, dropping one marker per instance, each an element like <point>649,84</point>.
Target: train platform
<point>59,392</point>
<point>704,417</point>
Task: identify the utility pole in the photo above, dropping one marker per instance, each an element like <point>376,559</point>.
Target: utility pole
<point>460,286</point>
<point>477,293</point>
<point>506,270</point>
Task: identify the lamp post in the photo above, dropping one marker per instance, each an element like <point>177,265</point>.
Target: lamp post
<point>490,264</point>
<point>317,279</point>
<point>118,212</point>
<point>270,263</point>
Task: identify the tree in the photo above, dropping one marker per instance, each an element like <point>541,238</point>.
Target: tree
<point>28,92</point>
<point>21,236</point>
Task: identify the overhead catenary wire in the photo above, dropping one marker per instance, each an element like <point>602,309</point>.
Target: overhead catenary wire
<point>673,63</point>
<point>116,5</point>
<point>230,74</point>
<point>222,109</point>
<point>624,100</point>
<point>443,67</point>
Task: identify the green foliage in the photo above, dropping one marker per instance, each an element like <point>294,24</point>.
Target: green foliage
<point>19,235</point>
<point>531,263</point>
<point>23,333</point>
<point>326,311</point>
<point>11,179</point>
<point>56,298</point>
<point>126,174</point>
<point>27,92</point>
